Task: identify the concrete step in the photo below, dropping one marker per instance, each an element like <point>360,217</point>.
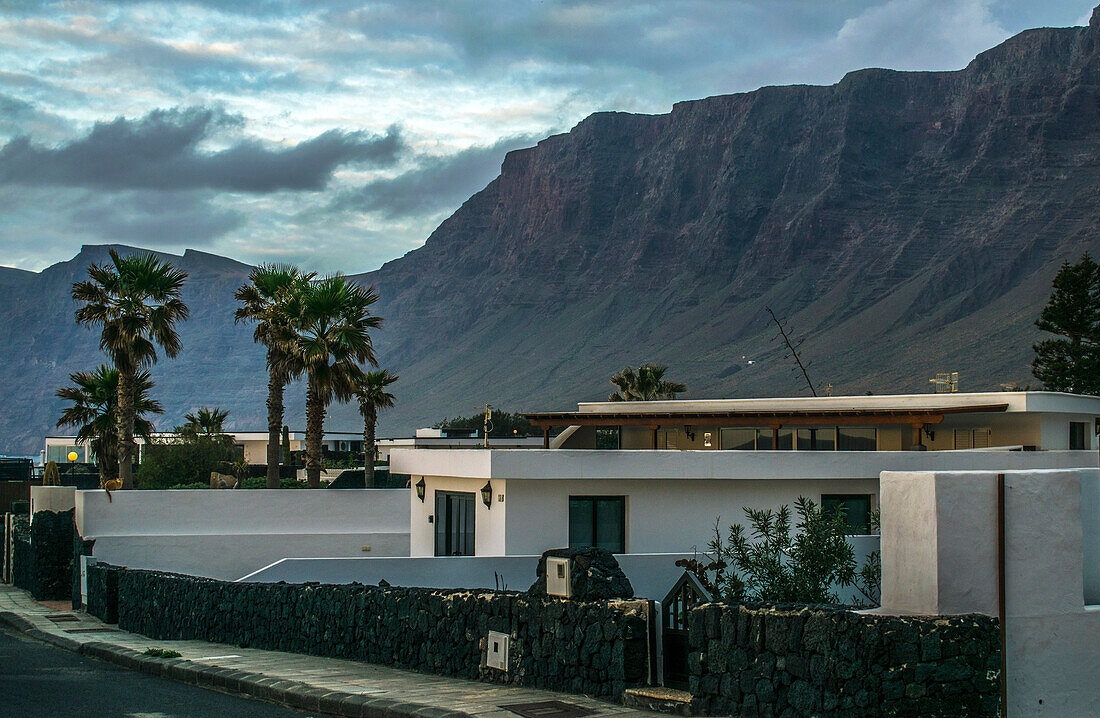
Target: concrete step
<point>659,699</point>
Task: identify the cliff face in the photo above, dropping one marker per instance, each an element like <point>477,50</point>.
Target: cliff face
<point>905,223</point>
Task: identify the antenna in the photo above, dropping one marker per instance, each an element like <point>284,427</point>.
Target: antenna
<point>946,382</point>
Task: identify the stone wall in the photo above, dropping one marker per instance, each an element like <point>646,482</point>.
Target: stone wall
<point>22,559</point>
<point>596,647</point>
<point>43,555</point>
<point>754,660</point>
<point>52,547</point>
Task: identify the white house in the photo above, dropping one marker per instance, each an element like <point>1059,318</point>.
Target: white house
<point>653,477</point>
<point>253,444</point>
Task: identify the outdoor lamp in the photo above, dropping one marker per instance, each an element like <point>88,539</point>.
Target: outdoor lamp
<point>487,495</point>
<point>72,456</point>
<point>421,489</point>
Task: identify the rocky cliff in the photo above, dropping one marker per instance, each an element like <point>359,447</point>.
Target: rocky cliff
<point>904,223</point>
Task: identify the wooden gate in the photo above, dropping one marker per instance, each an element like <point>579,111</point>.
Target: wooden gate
<point>685,595</point>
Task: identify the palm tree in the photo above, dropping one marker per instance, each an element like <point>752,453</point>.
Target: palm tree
<point>94,409</point>
<point>136,302</point>
<point>372,396</point>
<point>204,422</point>
<point>333,337</point>
<point>646,383</point>
<point>270,300</point>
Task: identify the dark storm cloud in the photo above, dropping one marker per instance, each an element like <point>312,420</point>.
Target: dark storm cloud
<point>160,151</point>
<point>437,183</point>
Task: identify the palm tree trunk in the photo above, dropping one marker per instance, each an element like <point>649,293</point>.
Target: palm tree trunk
<point>370,420</point>
<point>315,426</point>
<point>126,427</point>
<point>275,387</point>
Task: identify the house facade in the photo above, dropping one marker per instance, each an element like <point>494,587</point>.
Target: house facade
<point>656,477</point>
<point>252,444</point>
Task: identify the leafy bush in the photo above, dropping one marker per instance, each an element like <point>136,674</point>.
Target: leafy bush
<point>185,462</point>
<point>502,424</point>
<point>195,485</point>
<point>260,482</point>
<point>770,564</point>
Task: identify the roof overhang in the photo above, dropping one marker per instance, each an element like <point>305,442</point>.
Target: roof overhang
<point>806,417</point>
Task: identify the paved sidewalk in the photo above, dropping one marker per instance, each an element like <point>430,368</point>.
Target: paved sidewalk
<point>326,685</point>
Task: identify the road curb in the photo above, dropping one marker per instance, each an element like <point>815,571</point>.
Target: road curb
<point>289,693</point>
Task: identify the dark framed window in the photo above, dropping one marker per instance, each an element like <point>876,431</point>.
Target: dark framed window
<point>764,439</point>
<point>609,437</point>
<point>454,523</point>
<point>855,507</point>
<point>815,439</point>
<point>738,439</point>
<point>598,521</point>
<point>856,438</point>
<point>1078,439</point>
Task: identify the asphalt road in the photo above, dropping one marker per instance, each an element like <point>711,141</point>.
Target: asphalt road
<point>40,680</point>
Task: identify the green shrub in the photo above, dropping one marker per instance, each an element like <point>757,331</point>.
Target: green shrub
<point>162,653</point>
<point>185,462</point>
<point>260,482</point>
<point>770,563</point>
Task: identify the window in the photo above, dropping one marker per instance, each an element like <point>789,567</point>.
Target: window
<point>764,439</point>
<point>608,437</point>
<point>454,523</point>
<point>855,507</point>
<point>598,521</point>
<point>817,439</point>
<point>739,439</point>
<point>854,438</point>
<point>1077,437</point>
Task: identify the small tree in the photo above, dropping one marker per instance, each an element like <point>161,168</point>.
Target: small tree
<point>646,383</point>
<point>135,300</point>
<point>205,422</point>
<point>1071,364</point>
<point>372,395</point>
<point>502,424</point>
<point>775,565</point>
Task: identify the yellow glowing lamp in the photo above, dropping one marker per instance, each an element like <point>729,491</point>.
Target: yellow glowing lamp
<point>72,456</point>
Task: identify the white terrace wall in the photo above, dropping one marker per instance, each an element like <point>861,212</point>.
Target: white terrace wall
<point>228,534</point>
<point>651,575</point>
<point>939,556</point>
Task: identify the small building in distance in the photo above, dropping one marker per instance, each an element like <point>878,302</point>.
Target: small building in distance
<point>654,477</point>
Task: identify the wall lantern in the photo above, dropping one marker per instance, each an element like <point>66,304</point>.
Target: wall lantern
<point>421,489</point>
<point>487,495</point>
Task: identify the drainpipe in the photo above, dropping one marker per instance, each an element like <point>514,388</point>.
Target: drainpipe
<point>1001,591</point>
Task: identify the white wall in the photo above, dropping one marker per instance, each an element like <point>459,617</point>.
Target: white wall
<point>489,524</point>
<point>227,534</point>
<point>600,465</point>
<point>52,498</point>
<point>1050,523</point>
<point>662,516</point>
<point>651,575</point>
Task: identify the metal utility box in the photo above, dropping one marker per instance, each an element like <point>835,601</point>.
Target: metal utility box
<point>558,581</point>
<point>496,651</point>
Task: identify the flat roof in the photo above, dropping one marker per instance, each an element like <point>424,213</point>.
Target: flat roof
<point>867,415</point>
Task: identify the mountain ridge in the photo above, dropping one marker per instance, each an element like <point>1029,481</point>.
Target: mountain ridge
<point>904,223</point>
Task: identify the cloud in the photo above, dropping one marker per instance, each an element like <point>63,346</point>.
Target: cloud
<point>438,182</point>
<point>161,151</point>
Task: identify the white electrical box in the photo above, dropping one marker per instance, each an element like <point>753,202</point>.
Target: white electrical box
<point>558,582</point>
<point>496,652</point>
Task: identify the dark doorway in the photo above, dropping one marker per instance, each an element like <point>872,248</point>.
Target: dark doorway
<point>454,523</point>
<point>676,624</point>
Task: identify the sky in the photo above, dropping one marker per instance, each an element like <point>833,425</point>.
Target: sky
<point>338,135</point>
